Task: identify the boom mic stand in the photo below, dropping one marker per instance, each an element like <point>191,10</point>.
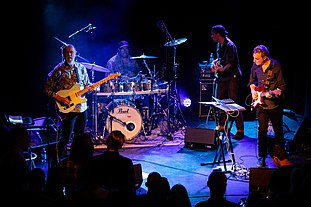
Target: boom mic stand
<point>175,97</point>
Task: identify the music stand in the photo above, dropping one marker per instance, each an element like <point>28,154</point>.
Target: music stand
<point>229,109</point>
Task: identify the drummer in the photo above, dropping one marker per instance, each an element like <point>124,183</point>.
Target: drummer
<point>123,63</point>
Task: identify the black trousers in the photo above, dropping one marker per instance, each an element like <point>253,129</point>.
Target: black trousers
<point>73,123</point>
<point>276,117</point>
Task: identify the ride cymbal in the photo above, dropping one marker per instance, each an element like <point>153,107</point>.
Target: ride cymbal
<point>98,68</point>
<point>143,57</point>
<point>175,42</point>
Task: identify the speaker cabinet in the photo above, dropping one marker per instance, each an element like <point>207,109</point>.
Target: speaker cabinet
<point>200,137</point>
<point>206,93</point>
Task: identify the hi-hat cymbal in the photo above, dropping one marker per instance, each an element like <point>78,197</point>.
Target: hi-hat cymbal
<point>143,57</point>
<point>98,68</point>
<point>175,42</point>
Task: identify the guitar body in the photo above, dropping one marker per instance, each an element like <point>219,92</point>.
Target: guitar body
<point>75,94</point>
<point>259,100</point>
<point>261,95</point>
<point>74,97</point>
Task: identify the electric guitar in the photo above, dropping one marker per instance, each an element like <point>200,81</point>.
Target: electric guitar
<point>261,95</point>
<point>216,65</point>
<point>74,94</point>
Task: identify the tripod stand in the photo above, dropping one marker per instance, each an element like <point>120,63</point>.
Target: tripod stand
<point>225,138</point>
<point>173,95</point>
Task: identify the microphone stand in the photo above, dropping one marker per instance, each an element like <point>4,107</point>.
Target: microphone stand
<point>111,118</point>
<point>80,30</point>
<point>65,44</point>
<point>169,135</point>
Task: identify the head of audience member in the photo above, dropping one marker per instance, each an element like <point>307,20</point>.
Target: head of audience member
<point>115,140</point>
<point>179,196</point>
<point>20,137</point>
<point>217,183</point>
<point>280,156</point>
<point>37,180</point>
<point>82,147</point>
<point>152,179</point>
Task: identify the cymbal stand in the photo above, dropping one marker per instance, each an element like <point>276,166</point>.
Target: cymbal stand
<point>176,98</point>
<point>157,111</point>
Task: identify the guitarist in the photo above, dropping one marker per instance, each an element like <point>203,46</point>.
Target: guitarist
<point>63,77</point>
<point>227,67</point>
<point>266,74</point>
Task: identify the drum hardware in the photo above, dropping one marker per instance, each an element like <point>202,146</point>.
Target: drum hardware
<point>173,95</point>
<point>172,84</point>
<point>92,66</point>
<point>65,44</point>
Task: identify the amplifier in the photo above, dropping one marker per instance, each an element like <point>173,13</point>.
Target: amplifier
<point>207,76</point>
<point>206,93</point>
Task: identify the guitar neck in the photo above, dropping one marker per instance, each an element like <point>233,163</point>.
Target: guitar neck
<point>98,83</point>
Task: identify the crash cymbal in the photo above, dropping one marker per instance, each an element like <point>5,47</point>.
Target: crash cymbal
<point>175,42</point>
<point>143,57</point>
<point>98,68</point>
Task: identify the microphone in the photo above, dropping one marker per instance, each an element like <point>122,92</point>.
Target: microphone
<point>90,28</point>
<point>130,126</point>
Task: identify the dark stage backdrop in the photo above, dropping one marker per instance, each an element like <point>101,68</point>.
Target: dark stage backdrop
<point>32,50</point>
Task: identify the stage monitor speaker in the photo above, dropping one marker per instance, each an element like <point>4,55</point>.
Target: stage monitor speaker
<point>200,137</point>
<point>206,93</point>
<point>301,144</point>
<point>259,179</point>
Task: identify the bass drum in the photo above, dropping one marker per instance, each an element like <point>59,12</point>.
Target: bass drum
<point>125,118</point>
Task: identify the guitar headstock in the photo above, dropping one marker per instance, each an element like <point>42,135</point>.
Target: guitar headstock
<point>114,75</point>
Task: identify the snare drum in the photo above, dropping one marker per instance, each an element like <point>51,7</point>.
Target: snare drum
<point>126,118</point>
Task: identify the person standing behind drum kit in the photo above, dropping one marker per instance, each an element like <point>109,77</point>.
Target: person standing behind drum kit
<point>123,63</point>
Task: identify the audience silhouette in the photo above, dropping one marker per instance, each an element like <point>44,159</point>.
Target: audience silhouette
<point>217,183</point>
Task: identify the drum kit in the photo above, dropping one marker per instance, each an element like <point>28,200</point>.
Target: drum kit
<point>128,103</point>
<point>134,102</point>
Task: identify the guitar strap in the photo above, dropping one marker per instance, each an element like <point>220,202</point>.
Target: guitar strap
<point>78,74</point>
<point>268,80</point>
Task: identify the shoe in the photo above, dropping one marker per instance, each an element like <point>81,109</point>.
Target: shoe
<point>261,162</point>
<point>238,136</point>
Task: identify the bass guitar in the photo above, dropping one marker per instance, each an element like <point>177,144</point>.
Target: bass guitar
<point>216,65</point>
<point>74,94</point>
<point>261,94</point>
